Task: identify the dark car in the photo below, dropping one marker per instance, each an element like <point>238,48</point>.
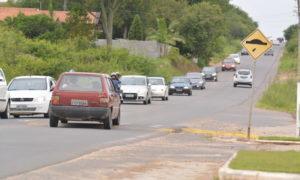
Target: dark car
<point>180,85</point>
<point>85,97</point>
<point>197,80</point>
<point>270,53</point>
<point>228,65</point>
<point>210,73</point>
<point>244,52</point>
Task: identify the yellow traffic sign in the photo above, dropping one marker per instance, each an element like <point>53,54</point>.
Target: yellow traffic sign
<point>256,44</point>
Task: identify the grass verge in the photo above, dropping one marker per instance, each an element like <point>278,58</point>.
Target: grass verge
<point>279,138</point>
<point>269,161</point>
<point>280,96</point>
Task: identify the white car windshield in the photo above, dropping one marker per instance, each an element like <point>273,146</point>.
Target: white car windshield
<point>138,81</point>
<point>81,83</point>
<point>28,84</point>
<point>156,81</point>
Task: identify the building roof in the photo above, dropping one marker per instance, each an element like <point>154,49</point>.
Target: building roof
<point>57,15</point>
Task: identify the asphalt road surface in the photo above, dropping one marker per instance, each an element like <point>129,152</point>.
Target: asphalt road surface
<point>28,143</point>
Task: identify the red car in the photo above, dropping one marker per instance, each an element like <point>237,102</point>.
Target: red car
<point>85,97</point>
<point>228,64</point>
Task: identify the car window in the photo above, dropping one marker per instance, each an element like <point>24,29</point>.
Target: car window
<point>194,75</point>
<point>110,85</point>
<point>244,72</point>
<point>83,83</point>
<point>28,84</point>
<point>156,81</point>
<point>180,80</point>
<point>209,70</point>
<point>133,81</point>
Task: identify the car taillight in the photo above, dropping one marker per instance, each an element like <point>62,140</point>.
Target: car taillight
<point>236,76</point>
<point>104,99</point>
<point>223,65</point>
<point>251,77</point>
<point>55,100</point>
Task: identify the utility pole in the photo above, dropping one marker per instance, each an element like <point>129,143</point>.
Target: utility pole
<point>298,73</point>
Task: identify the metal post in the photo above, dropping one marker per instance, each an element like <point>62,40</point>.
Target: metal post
<point>251,102</point>
<point>298,73</point>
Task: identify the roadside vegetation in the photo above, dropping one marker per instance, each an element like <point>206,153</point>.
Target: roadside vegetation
<point>281,95</point>
<point>275,161</point>
<point>279,138</point>
<point>203,29</point>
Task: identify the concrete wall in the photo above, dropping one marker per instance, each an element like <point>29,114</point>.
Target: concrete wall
<point>151,49</point>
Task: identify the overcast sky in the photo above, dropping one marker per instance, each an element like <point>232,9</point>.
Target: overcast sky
<point>273,16</point>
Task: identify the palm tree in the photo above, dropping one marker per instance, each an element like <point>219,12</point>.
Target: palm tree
<point>164,35</point>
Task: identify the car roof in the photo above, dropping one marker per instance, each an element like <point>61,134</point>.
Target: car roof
<point>244,70</point>
<point>180,77</point>
<point>156,77</point>
<point>26,77</point>
<point>84,73</point>
<point>141,76</point>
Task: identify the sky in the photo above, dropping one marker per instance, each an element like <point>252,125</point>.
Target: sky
<point>273,16</point>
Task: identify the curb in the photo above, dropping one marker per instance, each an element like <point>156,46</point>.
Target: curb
<point>214,133</point>
<point>278,142</point>
<point>226,173</point>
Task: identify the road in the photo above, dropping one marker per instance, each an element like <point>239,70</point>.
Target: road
<point>28,143</point>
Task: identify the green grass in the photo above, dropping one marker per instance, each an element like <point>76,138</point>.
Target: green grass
<point>280,96</point>
<point>279,138</point>
<point>229,48</point>
<point>275,161</point>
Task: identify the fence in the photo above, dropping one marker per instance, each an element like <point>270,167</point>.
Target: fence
<point>151,49</point>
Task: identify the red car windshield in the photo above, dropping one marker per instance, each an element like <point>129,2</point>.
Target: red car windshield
<point>83,83</point>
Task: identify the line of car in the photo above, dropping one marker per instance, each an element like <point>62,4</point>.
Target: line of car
<point>78,96</point>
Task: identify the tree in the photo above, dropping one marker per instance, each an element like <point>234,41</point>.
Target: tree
<point>108,9</point>
<point>32,26</point>
<point>290,31</point>
<point>163,34</point>
<point>77,22</point>
<point>201,26</point>
<point>136,31</point>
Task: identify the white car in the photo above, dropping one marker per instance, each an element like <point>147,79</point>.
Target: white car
<point>135,89</point>
<point>159,89</point>
<point>243,77</point>
<point>4,110</point>
<point>236,58</point>
<point>29,95</point>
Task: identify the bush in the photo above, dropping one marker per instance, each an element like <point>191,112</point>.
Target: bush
<point>32,26</point>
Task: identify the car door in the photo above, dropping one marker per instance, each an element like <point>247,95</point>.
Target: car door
<point>114,98</point>
<point>3,91</point>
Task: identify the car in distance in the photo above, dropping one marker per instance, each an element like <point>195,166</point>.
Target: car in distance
<point>4,108</point>
<point>244,52</point>
<point>85,97</point>
<point>210,73</point>
<point>270,52</point>
<point>135,88</point>
<point>197,80</point>
<point>159,89</point>
<point>180,85</point>
<point>228,64</point>
<point>30,95</point>
<point>235,57</point>
<point>243,77</point>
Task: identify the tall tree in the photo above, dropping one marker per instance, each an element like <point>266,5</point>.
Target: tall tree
<point>108,9</point>
<point>136,31</point>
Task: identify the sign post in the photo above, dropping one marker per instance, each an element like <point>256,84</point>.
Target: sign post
<point>256,44</point>
<point>298,110</point>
